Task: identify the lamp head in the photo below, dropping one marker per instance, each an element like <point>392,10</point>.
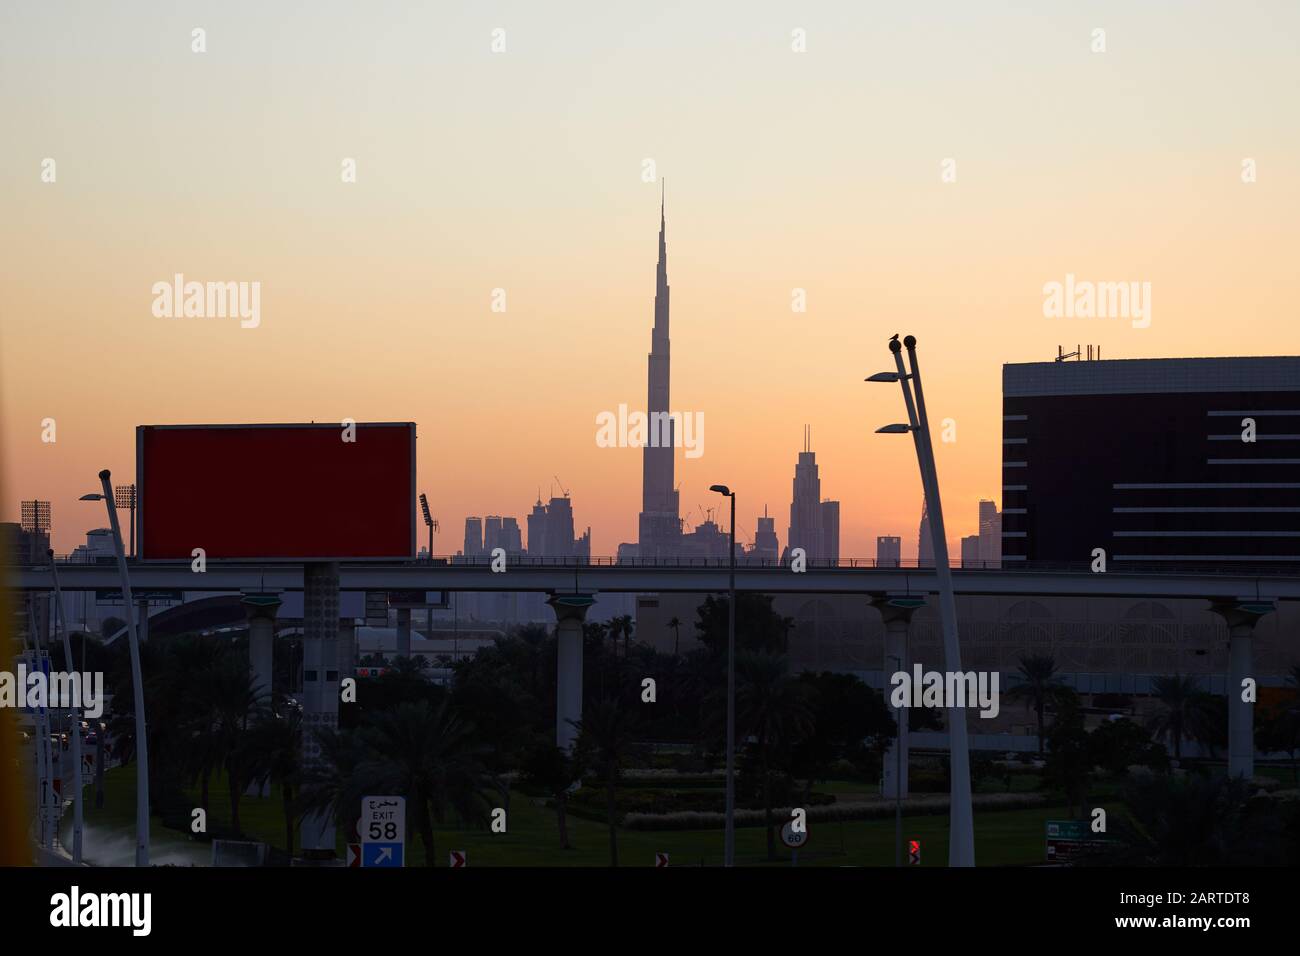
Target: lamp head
<point>721,489</point>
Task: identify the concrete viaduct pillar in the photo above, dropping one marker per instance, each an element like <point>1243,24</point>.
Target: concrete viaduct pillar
<point>570,614</point>
<point>320,686</point>
<point>260,610</point>
<point>896,612</point>
<point>1241,616</point>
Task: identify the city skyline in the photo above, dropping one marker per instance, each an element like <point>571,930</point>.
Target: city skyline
<point>377,294</point>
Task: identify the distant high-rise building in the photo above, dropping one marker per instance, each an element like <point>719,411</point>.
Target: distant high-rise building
<point>473,537</point>
<point>830,531</point>
<point>766,546</point>
<point>990,534</point>
<point>511,539</point>
<point>550,531</point>
<point>889,551</point>
<point>925,546</point>
<point>970,551</point>
<point>814,523</point>
<point>492,533</point>
<point>659,526</point>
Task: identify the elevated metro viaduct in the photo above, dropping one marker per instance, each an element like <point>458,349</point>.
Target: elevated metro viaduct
<point>1241,597</point>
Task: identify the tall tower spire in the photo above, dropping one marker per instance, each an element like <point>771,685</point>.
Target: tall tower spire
<point>659,524</point>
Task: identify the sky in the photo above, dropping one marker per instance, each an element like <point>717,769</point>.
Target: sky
<point>920,168</point>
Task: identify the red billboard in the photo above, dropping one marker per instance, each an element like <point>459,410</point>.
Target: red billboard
<point>318,492</point>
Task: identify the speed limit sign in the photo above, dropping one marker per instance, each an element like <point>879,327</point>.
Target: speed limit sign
<point>793,838</point>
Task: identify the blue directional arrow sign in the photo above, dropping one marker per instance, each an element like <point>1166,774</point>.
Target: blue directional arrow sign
<point>381,854</point>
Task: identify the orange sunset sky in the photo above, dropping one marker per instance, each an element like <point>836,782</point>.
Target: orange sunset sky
<point>523,170</point>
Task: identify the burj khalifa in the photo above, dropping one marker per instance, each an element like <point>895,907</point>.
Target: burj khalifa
<point>659,524</point>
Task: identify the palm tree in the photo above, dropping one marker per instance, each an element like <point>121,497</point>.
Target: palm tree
<point>775,709</point>
<point>330,786</point>
<point>275,746</point>
<point>1185,710</point>
<point>676,625</point>
<point>604,743</point>
<point>430,756</point>
<point>235,701</point>
<point>1039,687</point>
<point>626,625</point>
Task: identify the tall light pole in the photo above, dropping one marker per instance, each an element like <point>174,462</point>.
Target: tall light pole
<point>729,840</point>
<point>61,626</point>
<point>141,741</point>
<point>961,837</point>
<point>898,781</point>
<point>428,520</point>
<point>124,497</point>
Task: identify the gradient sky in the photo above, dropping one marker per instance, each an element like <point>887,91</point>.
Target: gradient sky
<point>522,170</point>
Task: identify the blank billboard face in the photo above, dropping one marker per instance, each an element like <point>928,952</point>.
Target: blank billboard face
<point>277,492</point>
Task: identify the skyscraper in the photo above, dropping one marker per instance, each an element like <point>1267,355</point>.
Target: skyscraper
<point>659,525</point>
<point>473,537</point>
<point>990,534</point>
<point>889,551</point>
<point>814,523</point>
<point>766,547</point>
<point>924,546</point>
<point>970,551</point>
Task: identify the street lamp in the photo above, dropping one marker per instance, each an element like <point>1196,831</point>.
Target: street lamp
<point>141,741</point>
<point>898,779</point>
<point>729,840</point>
<point>61,625</point>
<point>961,843</point>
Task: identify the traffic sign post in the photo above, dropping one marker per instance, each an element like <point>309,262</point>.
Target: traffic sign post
<point>383,831</point>
<point>794,839</point>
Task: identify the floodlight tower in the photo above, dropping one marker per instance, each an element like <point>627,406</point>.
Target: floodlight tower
<point>124,498</point>
<point>432,524</point>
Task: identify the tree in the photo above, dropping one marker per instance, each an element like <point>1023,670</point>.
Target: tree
<point>1069,760</point>
<point>1116,745</point>
<point>1191,820</point>
<point>429,755</point>
<point>676,625</point>
<point>605,744</point>
<point>275,746</point>
<point>759,628</point>
<point>1184,710</point>
<point>1039,688</point>
<point>851,723</point>
<point>777,711</point>
<point>551,770</point>
<point>235,701</point>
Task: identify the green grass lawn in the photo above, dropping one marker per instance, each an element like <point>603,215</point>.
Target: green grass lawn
<point>1003,838</point>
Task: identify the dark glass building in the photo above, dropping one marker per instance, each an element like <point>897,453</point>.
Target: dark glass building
<point>1187,462</point>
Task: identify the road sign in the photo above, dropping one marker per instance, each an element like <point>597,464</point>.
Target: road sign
<point>383,854</point>
<point>661,860</point>
<point>1067,840</point>
<point>457,859</point>
<point>354,855</point>
<point>383,831</point>
<point>793,838</point>
<point>914,852</point>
